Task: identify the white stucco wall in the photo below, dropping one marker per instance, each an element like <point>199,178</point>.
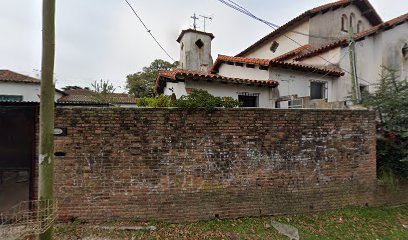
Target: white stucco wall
<point>285,44</point>
<point>298,83</point>
<point>234,71</point>
<point>179,89</point>
<point>381,49</point>
<point>328,24</point>
<point>30,92</point>
<point>333,56</point>
<point>232,90</point>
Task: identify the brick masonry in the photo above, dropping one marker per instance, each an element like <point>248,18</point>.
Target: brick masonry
<point>180,165</point>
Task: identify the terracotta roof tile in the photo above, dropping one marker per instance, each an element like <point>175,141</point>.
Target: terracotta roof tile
<point>86,96</point>
<point>224,58</point>
<point>372,16</point>
<point>266,62</point>
<point>292,53</point>
<point>10,76</point>
<point>180,74</point>
<point>322,49</point>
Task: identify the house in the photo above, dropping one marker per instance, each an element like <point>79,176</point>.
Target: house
<point>194,73</point>
<point>308,58</point>
<point>16,87</point>
<point>84,96</point>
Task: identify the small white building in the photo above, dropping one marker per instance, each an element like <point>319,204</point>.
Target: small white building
<point>15,87</point>
<point>308,58</point>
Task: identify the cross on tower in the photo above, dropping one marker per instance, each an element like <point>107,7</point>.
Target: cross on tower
<point>194,19</point>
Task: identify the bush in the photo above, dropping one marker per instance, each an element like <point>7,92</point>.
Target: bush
<point>142,102</point>
<point>203,99</point>
<point>390,102</point>
<point>197,99</point>
<point>158,102</point>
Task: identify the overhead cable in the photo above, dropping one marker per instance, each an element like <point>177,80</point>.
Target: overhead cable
<point>241,9</point>
<point>149,31</point>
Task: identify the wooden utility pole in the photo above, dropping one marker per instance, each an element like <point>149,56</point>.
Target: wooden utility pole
<point>46,156</point>
<point>355,89</point>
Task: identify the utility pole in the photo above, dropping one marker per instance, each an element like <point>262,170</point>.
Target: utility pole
<point>355,89</point>
<point>195,18</point>
<point>46,153</point>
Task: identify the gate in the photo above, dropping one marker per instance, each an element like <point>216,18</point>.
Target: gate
<point>17,151</point>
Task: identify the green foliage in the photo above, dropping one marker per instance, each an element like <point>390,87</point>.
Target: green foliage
<point>203,99</point>
<point>102,91</point>
<point>197,99</point>
<point>141,84</point>
<point>347,223</point>
<point>158,102</point>
<point>390,100</point>
<point>229,102</point>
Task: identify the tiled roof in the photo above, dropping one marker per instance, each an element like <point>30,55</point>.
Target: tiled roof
<point>224,58</point>
<point>86,96</point>
<point>179,75</point>
<point>322,49</point>
<point>266,62</point>
<point>192,30</point>
<point>292,53</point>
<point>358,36</point>
<point>10,76</point>
<point>363,5</point>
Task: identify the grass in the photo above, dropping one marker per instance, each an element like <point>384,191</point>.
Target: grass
<point>349,223</point>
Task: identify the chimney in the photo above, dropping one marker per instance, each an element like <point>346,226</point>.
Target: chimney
<point>195,50</point>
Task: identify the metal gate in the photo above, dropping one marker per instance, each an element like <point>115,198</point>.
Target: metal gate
<point>17,150</point>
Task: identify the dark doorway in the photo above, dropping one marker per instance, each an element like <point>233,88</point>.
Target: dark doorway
<point>317,90</point>
<point>17,144</point>
<point>248,101</point>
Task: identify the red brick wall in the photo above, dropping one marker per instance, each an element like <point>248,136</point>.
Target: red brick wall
<point>179,165</point>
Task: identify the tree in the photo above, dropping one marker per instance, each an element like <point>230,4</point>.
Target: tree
<point>141,84</point>
<point>102,91</point>
<point>390,100</point>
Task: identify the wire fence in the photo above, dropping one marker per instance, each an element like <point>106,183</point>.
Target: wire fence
<point>27,219</point>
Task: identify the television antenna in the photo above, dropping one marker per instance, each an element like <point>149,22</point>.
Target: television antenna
<point>205,18</point>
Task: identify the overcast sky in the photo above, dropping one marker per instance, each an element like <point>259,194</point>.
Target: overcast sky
<point>102,39</point>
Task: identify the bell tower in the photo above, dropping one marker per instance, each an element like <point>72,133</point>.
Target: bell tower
<point>195,50</point>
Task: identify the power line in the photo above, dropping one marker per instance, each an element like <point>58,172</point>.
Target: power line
<point>149,31</point>
<point>241,9</point>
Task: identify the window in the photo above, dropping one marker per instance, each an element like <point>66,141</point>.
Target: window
<point>295,103</point>
<point>360,26</point>
<point>317,90</point>
<point>344,21</point>
<point>248,99</point>
<point>274,46</point>
<point>363,89</point>
<point>352,22</point>
<point>199,43</point>
<point>405,50</point>
<point>11,98</point>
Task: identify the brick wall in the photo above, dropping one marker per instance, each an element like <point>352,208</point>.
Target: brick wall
<point>179,165</point>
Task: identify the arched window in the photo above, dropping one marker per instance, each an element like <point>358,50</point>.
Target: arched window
<point>352,22</point>
<point>405,50</point>
<point>360,26</point>
<point>344,22</point>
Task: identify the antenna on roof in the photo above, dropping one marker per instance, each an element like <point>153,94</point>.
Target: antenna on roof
<point>205,18</point>
<point>195,18</point>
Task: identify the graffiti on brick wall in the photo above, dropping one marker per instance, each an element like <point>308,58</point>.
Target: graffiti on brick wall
<point>199,164</point>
